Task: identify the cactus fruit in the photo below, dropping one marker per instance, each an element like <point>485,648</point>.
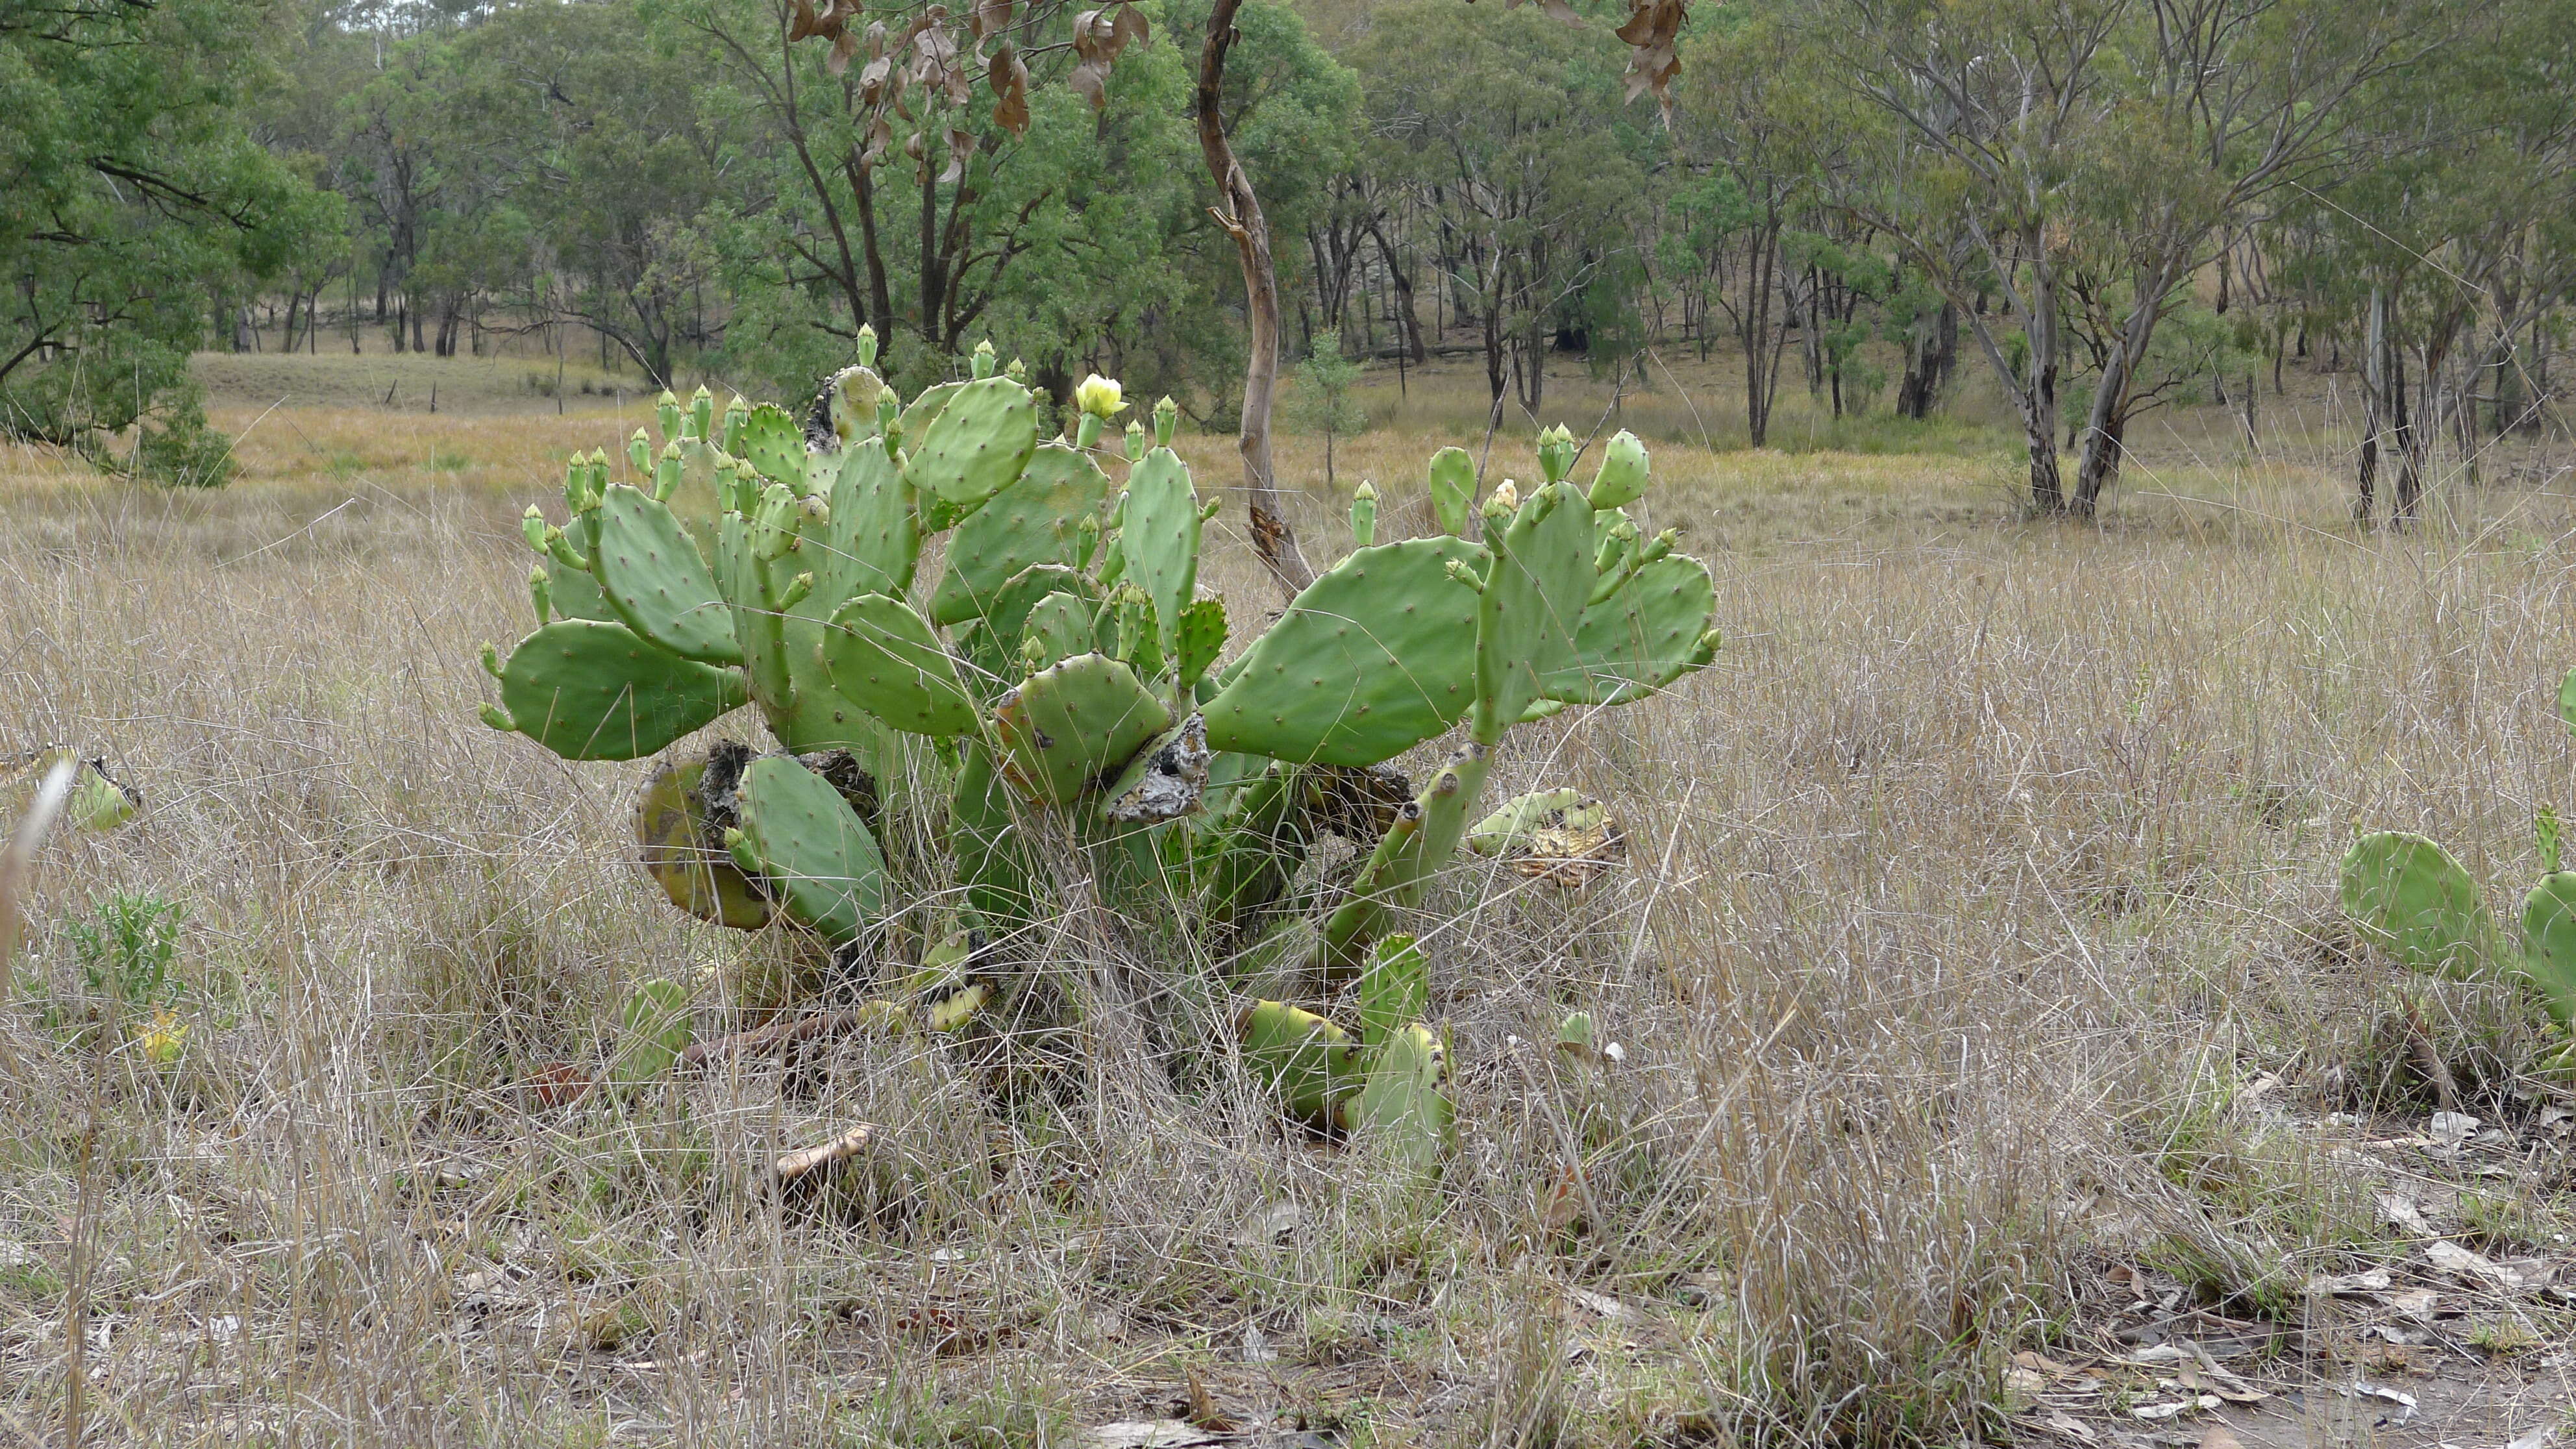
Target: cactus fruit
<point>1364,515</point>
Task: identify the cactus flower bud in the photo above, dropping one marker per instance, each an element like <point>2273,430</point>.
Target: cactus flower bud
<point>666,473</point>
<point>498,718</point>
<point>537,595</point>
<point>1556,452</point>
<point>1017,372</point>
<point>737,416</point>
<point>1086,540</point>
<point>1504,501</point>
<point>666,411</point>
<point>1135,439</point>
<point>532,527</point>
<point>1167,414</point>
<point>1364,515</point>
<point>1622,479</point>
<point>981,364</point>
<point>702,412</point>
<point>491,660</point>
<point>867,346</point>
<point>1099,397</point>
<point>639,451</point>
<point>797,588</point>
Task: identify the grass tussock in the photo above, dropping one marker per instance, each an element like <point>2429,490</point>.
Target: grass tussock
<point>1966,895</point>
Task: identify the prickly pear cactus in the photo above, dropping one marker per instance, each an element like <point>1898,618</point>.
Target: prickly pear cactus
<point>1000,643</point>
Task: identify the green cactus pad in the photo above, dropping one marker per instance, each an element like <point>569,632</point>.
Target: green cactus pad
<point>593,691</point>
<point>1495,834</point>
<point>1161,540</point>
<point>1064,625</point>
<point>2412,900</point>
<point>774,444</point>
<point>923,410</point>
<point>575,594</point>
<point>653,1029</point>
<point>882,656</point>
<point>1453,489</point>
<point>976,446</point>
<point>1404,1106</point>
<point>815,854</point>
<point>1652,631</point>
<point>2549,944</point>
<point>1395,989</point>
<point>1313,1065</point>
<point>848,404</point>
<point>1372,659</point>
<point>994,864</point>
<point>657,582</point>
<point>1063,727</point>
<point>1533,604</point>
<point>1202,639</point>
<point>679,850</point>
<point>1035,520</point>
<point>992,644</point>
<point>1622,479</point>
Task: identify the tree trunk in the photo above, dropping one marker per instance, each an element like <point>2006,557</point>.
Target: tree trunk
<point>2374,347</point>
<point>1238,210</point>
<point>1404,314</point>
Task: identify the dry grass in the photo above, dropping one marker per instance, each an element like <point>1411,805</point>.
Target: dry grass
<point>1966,888</point>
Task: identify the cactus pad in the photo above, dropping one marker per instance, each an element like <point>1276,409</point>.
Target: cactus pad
<point>2412,900</point>
<point>815,854</point>
<point>1312,1064</point>
<point>1395,988</point>
<point>1534,600</point>
<point>1453,489</point>
<point>984,837</point>
<point>1161,540</point>
<point>1202,639</point>
<point>1063,625</point>
<point>656,581</point>
<point>1064,726</point>
<point>653,1029</point>
<point>846,408</point>
<point>1036,520</point>
<point>1622,479</point>
<point>594,691</point>
<point>1405,1104</point>
<point>681,850</point>
<point>2549,943</point>
<point>881,656</point>
<point>1649,632</point>
<point>978,444</point>
<point>774,444</point>
<point>1373,658</point>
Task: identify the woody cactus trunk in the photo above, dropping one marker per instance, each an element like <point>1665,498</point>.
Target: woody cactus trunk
<point>1062,679</point>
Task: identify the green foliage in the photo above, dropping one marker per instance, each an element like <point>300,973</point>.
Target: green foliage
<point>1323,402</point>
<point>134,200</point>
<point>126,947</point>
<point>1065,711</point>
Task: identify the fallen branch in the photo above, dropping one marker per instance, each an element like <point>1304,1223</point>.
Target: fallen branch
<point>781,1034</point>
<point>814,1159</point>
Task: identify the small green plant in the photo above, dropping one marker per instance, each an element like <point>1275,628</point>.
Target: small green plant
<point>1323,402</point>
<point>126,947</point>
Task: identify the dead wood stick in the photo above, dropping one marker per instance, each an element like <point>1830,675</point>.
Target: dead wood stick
<point>813,1159</point>
<point>780,1034</point>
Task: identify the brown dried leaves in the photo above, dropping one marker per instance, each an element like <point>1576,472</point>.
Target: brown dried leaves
<point>1098,36</point>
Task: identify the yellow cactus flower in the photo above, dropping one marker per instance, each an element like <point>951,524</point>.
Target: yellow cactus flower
<point>1099,396</point>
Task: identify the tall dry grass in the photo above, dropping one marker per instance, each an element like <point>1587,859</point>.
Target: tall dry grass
<point>1964,890</point>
